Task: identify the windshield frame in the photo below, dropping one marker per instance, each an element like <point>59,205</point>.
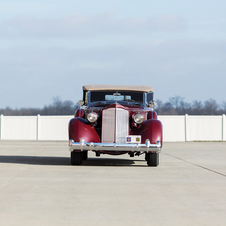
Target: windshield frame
<point>88,101</point>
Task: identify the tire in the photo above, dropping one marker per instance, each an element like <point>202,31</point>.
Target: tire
<point>146,158</point>
<point>153,159</point>
<point>76,158</point>
<point>84,155</point>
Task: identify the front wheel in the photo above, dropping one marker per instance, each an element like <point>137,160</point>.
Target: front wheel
<point>152,159</point>
<point>76,158</point>
<point>84,155</point>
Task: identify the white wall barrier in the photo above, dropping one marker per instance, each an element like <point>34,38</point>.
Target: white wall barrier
<point>175,127</point>
<point>34,127</point>
<point>194,128</point>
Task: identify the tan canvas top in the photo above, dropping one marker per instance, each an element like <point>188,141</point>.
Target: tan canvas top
<point>118,87</point>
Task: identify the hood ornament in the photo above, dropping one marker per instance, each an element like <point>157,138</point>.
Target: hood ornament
<point>116,94</point>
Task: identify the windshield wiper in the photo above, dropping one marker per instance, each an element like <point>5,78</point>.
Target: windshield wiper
<point>130,100</point>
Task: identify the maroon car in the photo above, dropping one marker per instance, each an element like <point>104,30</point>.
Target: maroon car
<point>115,120</point>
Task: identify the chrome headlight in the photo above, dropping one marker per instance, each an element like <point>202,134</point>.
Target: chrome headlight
<point>138,118</point>
<point>92,117</point>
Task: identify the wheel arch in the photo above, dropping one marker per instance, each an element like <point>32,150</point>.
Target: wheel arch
<point>80,128</point>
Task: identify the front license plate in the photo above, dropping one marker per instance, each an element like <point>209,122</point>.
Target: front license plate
<point>133,139</point>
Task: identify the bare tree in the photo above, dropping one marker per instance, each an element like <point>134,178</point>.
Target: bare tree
<point>177,106</point>
<point>210,107</point>
<point>197,108</point>
<point>176,101</point>
<point>224,106</point>
<point>58,107</point>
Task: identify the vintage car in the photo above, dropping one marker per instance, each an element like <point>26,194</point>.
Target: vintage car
<point>115,120</point>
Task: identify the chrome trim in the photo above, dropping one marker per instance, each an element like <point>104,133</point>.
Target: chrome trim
<point>115,125</point>
<point>82,145</point>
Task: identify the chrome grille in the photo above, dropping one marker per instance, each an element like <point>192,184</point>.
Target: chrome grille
<point>115,125</point>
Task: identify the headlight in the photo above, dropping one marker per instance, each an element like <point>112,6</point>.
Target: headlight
<point>138,118</point>
<point>92,117</point>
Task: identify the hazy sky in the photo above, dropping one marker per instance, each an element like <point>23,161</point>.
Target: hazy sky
<point>52,48</point>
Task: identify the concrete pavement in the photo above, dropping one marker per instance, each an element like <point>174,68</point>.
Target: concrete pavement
<point>38,186</point>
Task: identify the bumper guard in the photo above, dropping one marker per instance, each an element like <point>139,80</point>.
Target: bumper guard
<point>83,146</point>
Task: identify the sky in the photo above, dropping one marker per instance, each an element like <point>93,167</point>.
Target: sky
<point>52,48</point>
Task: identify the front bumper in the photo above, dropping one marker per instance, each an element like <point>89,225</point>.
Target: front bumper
<point>83,146</point>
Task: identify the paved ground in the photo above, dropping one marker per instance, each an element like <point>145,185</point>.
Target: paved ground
<point>38,186</point>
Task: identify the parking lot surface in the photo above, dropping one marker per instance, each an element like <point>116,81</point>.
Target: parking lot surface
<point>38,186</point>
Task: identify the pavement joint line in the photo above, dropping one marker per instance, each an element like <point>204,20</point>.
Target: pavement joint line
<point>17,173</point>
<point>36,157</point>
<point>32,160</point>
<point>12,178</point>
<point>213,171</point>
<point>20,170</point>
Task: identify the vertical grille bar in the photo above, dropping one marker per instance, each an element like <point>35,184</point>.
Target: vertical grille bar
<point>110,125</point>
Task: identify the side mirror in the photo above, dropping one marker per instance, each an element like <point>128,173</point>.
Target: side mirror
<point>152,104</point>
<point>81,102</point>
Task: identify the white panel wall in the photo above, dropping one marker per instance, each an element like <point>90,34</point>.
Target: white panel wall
<point>204,128</point>
<point>53,127</point>
<point>173,127</point>
<point>18,127</point>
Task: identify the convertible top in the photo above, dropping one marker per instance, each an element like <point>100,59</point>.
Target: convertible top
<point>118,87</point>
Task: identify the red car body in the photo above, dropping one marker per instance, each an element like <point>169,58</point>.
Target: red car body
<point>116,120</point>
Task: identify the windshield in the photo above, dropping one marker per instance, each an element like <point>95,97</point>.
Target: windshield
<point>97,96</point>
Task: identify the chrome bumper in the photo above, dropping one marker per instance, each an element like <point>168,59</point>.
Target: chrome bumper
<point>83,146</point>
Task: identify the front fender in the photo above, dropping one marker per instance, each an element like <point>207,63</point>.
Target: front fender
<point>152,130</point>
<point>79,113</point>
<point>81,128</point>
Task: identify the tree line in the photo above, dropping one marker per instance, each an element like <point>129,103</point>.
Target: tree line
<point>174,106</point>
<point>57,107</point>
<point>177,106</point>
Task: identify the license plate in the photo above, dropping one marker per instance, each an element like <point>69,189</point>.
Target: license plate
<point>133,139</point>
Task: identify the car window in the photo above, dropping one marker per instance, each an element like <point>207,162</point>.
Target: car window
<point>149,97</point>
<point>114,95</point>
<point>117,97</point>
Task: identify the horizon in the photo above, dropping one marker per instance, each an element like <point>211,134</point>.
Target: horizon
<point>221,105</point>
